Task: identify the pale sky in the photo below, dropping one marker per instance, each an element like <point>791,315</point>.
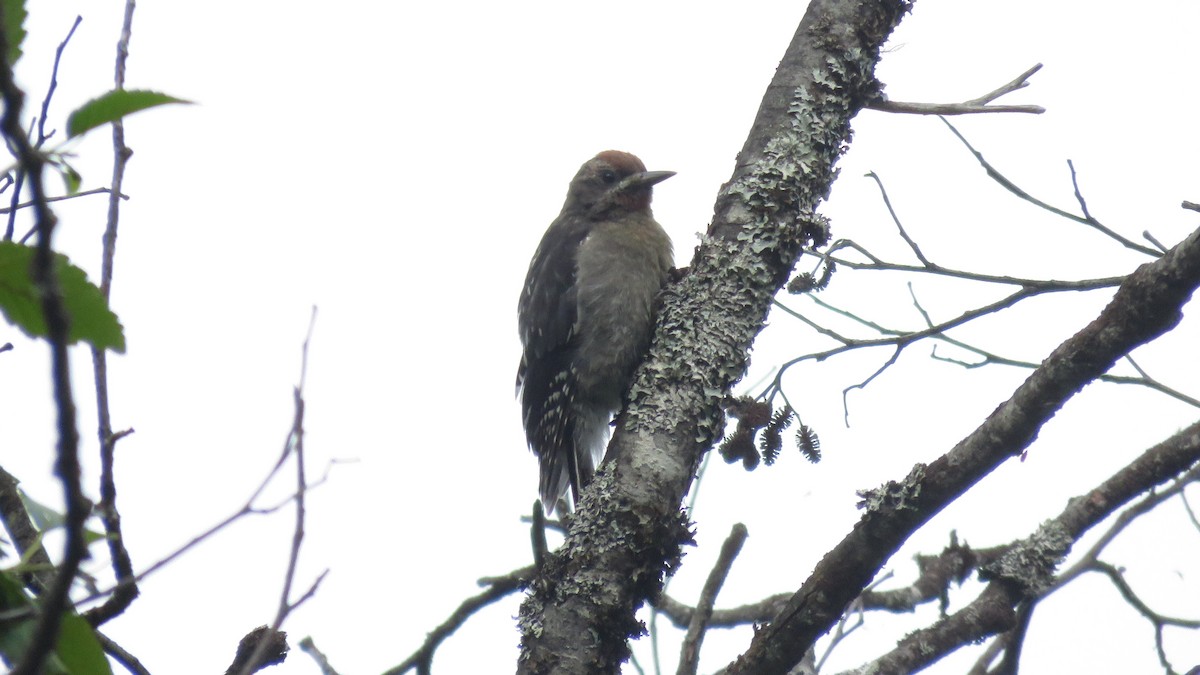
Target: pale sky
<point>395,164</point>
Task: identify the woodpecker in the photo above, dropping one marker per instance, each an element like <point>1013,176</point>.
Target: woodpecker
<point>586,315</point>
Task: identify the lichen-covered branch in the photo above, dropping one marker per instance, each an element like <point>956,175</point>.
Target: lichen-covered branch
<point>1146,305</point>
<point>1025,573</point>
<point>579,615</point>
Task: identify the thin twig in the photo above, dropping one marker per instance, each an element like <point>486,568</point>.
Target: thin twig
<point>498,588</point>
<point>293,446</point>
<point>120,655</point>
<point>1079,194</point>
<point>1118,579</point>
<point>902,341</point>
<point>896,219</point>
<point>689,656</point>
<point>42,136</point>
<point>309,647</point>
<point>61,198</point>
<point>1120,523</point>
<point>1150,238</point>
<point>878,265</point>
<point>122,564</point>
<point>1012,187</point>
<point>246,509</point>
<point>296,442</point>
<point>971,107</point>
<point>989,654</point>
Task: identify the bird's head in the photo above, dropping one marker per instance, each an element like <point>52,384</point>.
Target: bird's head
<point>613,180</point>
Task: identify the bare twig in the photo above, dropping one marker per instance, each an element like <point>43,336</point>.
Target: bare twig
<point>844,628</point>
<point>1118,579</point>
<point>248,508</point>
<point>293,446</point>
<point>1187,507</point>
<point>973,106</point>
<point>896,219</point>
<point>123,595</point>
<point>60,198</point>
<point>1012,187</point>
<point>689,656</point>
<point>876,264</point>
<point>42,136</point>
<point>988,358</point>
<point>498,587</point>
<point>121,656</point>
<point>1147,305</point>
<point>897,342</point>
<point>1150,238</point>
<point>1078,194</point>
<point>296,444</point>
<point>1122,521</point>
<point>309,647</point>
<point>879,265</point>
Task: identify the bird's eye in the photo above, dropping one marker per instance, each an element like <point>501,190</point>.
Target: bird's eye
<point>608,176</point>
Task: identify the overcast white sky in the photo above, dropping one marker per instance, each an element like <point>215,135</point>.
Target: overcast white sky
<point>396,163</point>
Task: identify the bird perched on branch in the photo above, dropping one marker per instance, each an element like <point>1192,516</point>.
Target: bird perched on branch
<point>586,316</point>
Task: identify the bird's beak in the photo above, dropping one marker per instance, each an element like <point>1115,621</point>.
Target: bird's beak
<point>646,179</point>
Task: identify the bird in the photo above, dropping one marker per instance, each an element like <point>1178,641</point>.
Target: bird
<point>586,315</point>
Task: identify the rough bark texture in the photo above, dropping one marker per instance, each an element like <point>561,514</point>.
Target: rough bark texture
<point>1025,573</point>
<point>628,531</point>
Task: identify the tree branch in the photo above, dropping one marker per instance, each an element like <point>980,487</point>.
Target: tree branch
<point>1012,187</point>
<point>629,529</point>
<point>973,106</point>
<point>1025,572</point>
<point>498,587</point>
<point>689,658</point>
<point>1146,305</point>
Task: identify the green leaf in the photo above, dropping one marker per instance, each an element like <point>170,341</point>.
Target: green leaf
<point>78,648</point>
<point>14,29</point>
<point>77,652</point>
<point>113,106</point>
<point>14,635</point>
<point>91,319</point>
<point>43,517</point>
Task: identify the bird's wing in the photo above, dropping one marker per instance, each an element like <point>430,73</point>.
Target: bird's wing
<point>548,310</point>
<point>548,321</point>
